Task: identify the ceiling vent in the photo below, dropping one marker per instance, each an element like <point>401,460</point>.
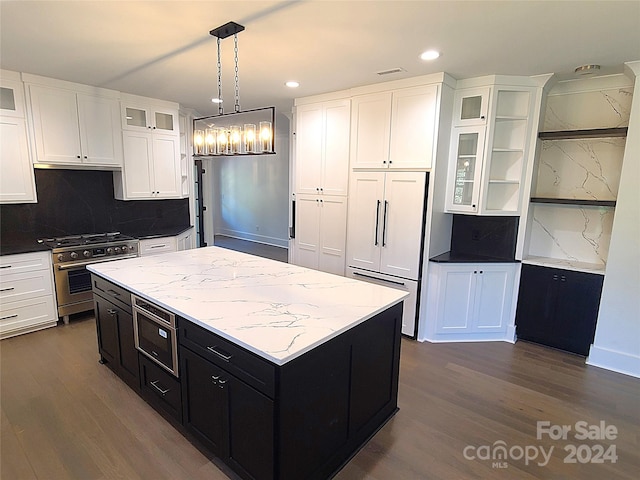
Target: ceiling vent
<point>391,71</point>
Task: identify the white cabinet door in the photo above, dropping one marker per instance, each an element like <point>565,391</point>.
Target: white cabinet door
<point>156,246</point>
<point>494,285</point>
<point>370,130</point>
<point>11,95</point>
<point>322,148</point>
<point>465,169</point>
<point>138,172</point>
<point>17,180</point>
<point>402,219</point>
<point>413,125</point>
<point>332,234</point>
<point>471,106</point>
<point>142,115</point>
<point>456,299</point>
<point>165,162</point>
<point>56,127</point>
<point>335,164</point>
<point>308,148</point>
<point>307,230</point>
<point>99,131</point>
<point>365,220</point>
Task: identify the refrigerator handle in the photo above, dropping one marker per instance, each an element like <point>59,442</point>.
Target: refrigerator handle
<point>384,224</point>
<point>378,278</point>
<point>292,228</point>
<point>377,222</point>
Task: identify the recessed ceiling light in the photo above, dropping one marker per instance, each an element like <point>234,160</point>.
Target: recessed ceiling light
<point>430,55</point>
<point>292,84</point>
<point>216,100</point>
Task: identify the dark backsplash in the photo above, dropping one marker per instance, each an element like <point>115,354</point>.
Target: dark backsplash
<point>484,236</point>
<point>73,202</point>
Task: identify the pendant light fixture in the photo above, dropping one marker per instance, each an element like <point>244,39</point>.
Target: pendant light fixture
<point>248,132</point>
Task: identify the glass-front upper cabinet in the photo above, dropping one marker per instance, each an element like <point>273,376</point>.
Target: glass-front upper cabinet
<point>463,188</point>
<point>149,118</point>
<point>470,106</point>
<point>11,98</point>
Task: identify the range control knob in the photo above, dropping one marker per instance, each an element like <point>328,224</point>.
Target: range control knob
<point>117,250</point>
<point>109,251</point>
<point>86,253</point>
<point>124,249</point>
<point>74,255</point>
<point>60,257</point>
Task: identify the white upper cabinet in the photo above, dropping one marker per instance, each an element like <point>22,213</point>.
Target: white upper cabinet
<point>74,129</point>
<point>394,130</point>
<point>140,115</point>
<point>17,180</point>
<point>152,168</point>
<point>471,106</point>
<point>489,152</point>
<point>322,147</point>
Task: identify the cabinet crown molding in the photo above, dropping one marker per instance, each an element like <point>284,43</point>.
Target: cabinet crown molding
<point>29,78</point>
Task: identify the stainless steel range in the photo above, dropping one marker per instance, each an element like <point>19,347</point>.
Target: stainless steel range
<point>72,254</point>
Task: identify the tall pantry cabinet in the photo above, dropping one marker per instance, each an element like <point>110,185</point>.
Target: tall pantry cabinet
<point>321,181</point>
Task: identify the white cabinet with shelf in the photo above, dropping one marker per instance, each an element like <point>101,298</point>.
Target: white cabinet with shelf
<point>395,129</point>
<point>17,180</point>
<point>27,298</point>
<point>75,128</point>
<point>488,164</point>
<point>322,147</point>
<point>153,167</point>
<point>321,224</point>
<point>472,301</point>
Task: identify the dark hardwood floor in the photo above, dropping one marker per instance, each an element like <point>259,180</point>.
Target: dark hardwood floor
<point>254,248</point>
<point>65,416</point>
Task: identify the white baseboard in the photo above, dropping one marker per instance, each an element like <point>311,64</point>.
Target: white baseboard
<point>612,360</point>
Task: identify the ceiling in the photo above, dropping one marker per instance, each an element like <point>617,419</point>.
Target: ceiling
<point>162,49</point>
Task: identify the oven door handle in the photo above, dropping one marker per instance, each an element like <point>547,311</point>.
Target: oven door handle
<point>70,266</point>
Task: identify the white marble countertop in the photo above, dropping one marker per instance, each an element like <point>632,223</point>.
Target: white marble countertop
<point>565,264</point>
<point>276,310</point>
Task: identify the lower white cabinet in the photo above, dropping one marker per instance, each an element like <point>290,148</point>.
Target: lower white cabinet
<point>17,179</point>
<point>186,240</point>
<point>156,246</point>
<point>321,232</point>
<point>27,297</point>
<point>469,301</point>
<point>410,286</point>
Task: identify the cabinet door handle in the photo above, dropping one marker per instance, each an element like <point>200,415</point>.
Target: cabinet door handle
<point>111,311</point>
<point>7,289</point>
<point>384,224</point>
<point>5,266</point>
<point>162,392</point>
<point>159,245</point>
<point>379,279</point>
<point>8,317</point>
<point>377,222</point>
<point>113,293</point>
<point>224,357</point>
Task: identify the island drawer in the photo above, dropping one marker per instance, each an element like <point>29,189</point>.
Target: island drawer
<point>161,389</point>
<point>245,365</point>
<point>111,292</point>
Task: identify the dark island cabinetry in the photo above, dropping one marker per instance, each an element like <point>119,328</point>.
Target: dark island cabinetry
<point>300,420</point>
<point>558,307</point>
<point>114,322</point>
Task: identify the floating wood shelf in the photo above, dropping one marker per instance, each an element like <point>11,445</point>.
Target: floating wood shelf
<point>588,133</point>
<point>575,201</point>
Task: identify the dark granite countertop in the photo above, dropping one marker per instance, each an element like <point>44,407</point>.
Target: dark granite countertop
<point>158,233</point>
<point>15,247</point>
<point>449,257</point>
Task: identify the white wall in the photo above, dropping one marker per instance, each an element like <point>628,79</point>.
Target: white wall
<point>617,341</point>
<point>250,194</point>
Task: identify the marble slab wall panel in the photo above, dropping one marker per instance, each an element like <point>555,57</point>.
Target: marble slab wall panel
<point>571,233</point>
<point>583,110</point>
<point>586,169</point>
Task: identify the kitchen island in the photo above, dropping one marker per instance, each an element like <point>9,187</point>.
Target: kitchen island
<point>283,372</point>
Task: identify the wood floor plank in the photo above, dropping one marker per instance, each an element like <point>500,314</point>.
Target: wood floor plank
<point>64,416</point>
